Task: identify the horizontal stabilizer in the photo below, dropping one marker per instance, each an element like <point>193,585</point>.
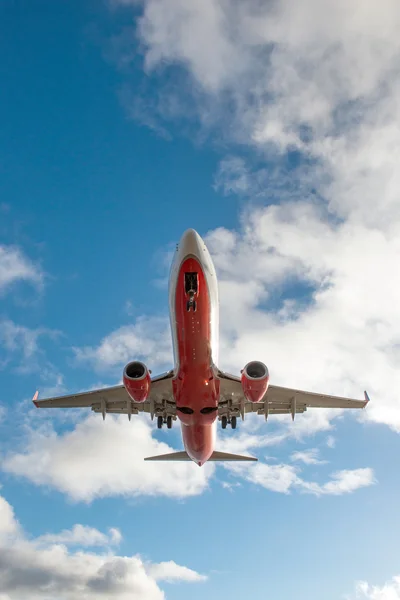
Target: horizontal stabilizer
<point>172,456</point>
<point>225,456</point>
<point>220,456</point>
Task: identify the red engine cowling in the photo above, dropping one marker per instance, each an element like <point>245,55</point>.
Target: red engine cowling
<point>137,381</point>
<point>255,380</point>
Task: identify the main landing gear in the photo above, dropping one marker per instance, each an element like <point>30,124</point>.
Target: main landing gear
<point>232,421</point>
<point>161,421</point>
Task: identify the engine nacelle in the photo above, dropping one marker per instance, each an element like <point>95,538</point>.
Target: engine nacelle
<point>137,381</point>
<point>255,380</point>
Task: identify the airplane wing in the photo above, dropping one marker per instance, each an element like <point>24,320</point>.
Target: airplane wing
<point>278,400</point>
<point>116,400</point>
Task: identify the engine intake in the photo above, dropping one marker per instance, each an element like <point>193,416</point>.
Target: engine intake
<point>255,380</point>
<point>137,381</point>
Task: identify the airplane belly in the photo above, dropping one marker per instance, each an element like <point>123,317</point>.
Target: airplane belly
<point>196,389</point>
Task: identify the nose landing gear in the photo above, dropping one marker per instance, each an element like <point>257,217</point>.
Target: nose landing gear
<point>191,303</point>
<point>191,290</point>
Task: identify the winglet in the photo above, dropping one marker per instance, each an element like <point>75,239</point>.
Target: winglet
<point>367,398</point>
<point>34,399</point>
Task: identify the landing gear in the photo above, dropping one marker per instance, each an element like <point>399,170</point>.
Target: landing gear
<point>191,290</point>
<point>162,419</point>
<point>191,304</point>
<point>231,420</point>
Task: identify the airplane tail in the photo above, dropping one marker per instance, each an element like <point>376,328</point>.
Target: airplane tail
<point>215,456</point>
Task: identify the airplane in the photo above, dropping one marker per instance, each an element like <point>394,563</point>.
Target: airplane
<point>196,391</point>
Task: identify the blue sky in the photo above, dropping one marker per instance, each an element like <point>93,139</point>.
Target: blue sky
<point>123,124</point>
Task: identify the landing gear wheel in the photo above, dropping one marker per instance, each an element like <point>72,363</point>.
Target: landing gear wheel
<point>224,422</point>
<point>233,422</point>
<point>169,422</point>
<point>191,304</point>
<point>159,422</point>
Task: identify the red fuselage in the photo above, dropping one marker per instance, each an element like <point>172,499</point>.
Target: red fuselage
<point>195,386</point>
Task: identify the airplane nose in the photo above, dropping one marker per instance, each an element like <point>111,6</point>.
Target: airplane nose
<point>190,235</point>
<point>191,243</point>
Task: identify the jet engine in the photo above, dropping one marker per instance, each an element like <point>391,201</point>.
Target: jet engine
<point>255,380</point>
<point>137,381</point>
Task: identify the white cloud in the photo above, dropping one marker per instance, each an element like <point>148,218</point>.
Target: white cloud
<point>22,350</point>
<point>389,591</point>
<point>326,85</point>
<point>330,441</point>
<point>81,535</point>
<point>171,572</point>
<point>8,523</point>
<point>17,338</point>
<point>284,478</point>
<point>230,485</point>
<point>148,339</point>
<point>233,176</point>
<point>269,70</point>
<point>178,34</point>
<point>45,568</point>
<point>308,457</point>
<point>98,459</point>
<point>245,441</point>
<point>15,266</point>
<point>277,478</point>
<point>343,482</point>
